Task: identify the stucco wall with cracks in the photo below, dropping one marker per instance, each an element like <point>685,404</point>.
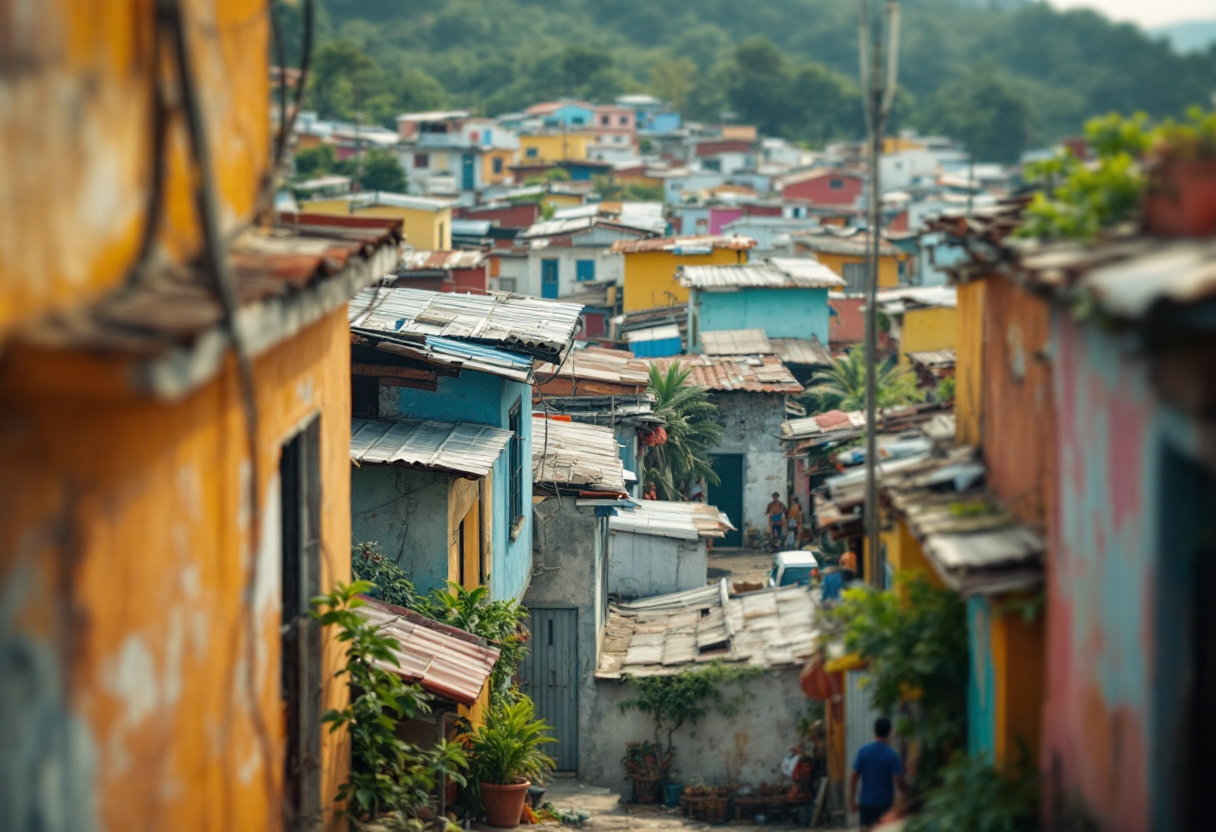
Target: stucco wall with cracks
<point>406,512</point>
<point>751,426</point>
<point>125,602</point>
<point>567,573</point>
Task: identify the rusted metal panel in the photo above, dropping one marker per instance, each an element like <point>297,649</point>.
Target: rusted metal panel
<point>1018,415</point>
<point>725,373</point>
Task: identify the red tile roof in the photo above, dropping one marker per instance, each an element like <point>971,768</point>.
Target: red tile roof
<point>444,660</point>
<point>734,373</point>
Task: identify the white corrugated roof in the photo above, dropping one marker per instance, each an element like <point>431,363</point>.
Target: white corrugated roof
<point>576,456</point>
<point>736,342</point>
<point>686,521</point>
<point>452,447</point>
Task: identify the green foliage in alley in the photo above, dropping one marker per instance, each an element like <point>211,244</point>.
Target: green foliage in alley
<point>977,797</point>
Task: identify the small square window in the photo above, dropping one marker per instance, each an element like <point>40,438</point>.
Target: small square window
<point>605,120</point>
<point>497,164</point>
<point>531,153</point>
<point>624,121</point>
<point>422,160</point>
<point>836,184</point>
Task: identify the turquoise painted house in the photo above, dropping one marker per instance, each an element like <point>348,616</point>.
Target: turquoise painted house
<point>441,435</point>
<point>787,298</point>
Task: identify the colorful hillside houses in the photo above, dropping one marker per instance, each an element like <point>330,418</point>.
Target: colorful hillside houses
<point>650,266</point>
<point>427,221</point>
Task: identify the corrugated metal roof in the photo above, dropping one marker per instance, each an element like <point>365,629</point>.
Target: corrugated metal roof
<point>813,275</point>
<point>728,374</point>
<point>459,448</point>
<point>593,364</point>
<point>933,358</point>
<point>654,333</point>
<point>897,301</point>
<point>442,659</point>
<point>572,225</point>
<point>802,351</point>
<point>542,328</point>
<point>686,521</point>
<point>736,342</point>
<point>172,325</point>
<point>686,245</point>
<point>417,260</point>
<point>576,456</point>
<point>666,634</point>
<point>444,352</point>
<point>853,245</point>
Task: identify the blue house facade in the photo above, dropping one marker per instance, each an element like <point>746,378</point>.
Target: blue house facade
<point>447,491</point>
<point>785,297</point>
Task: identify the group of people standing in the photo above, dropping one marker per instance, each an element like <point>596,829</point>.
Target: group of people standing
<point>785,524</point>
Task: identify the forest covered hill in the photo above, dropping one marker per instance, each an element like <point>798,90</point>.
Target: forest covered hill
<point>1002,75</point>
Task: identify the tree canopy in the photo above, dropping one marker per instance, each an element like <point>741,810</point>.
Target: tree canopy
<point>789,66</point>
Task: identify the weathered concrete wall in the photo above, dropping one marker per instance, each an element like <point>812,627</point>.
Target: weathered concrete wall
<point>745,748</point>
<point>751,424</point>
<point>137,639</point>
<point>1131,515</point>
<point>406,512</point>
<point>642,565</point>
<point>568,569</point>
<point>483,399</point>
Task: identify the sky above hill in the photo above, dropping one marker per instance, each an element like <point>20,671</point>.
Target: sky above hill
<point>1147,13</point>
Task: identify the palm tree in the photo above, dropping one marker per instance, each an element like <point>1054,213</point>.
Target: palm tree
<point>843,385</point>
<point>691,432</point>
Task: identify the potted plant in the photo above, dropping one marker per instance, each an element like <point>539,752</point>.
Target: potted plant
<point>1180,197</point>
<point>505,757</point>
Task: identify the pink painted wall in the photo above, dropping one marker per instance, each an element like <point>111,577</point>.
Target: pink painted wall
<point>719,217</point>
<point>1117,601</point>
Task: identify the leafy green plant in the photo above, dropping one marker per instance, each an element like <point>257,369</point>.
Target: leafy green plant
<point>843,385</point>
<point>915,640</point>
<point>977,797</point>
<point>692,430</point>
<point>507,749</point>
<point>498,621</point>
<point>685,698</point>
<point>945,390</point>
<point>368,563</point>
<point>1192,138</point>
<point>388,775</point>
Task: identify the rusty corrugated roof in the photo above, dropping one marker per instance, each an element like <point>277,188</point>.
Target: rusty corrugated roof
<point>442,659</point>
<point>736,342</point>
<point>286,278</point>
<point>807,352</point>
<point>764,374</point>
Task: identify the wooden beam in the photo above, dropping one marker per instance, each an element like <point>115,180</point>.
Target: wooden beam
<point>385,371</point>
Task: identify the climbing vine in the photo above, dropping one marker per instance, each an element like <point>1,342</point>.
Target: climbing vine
<point>685,698</point>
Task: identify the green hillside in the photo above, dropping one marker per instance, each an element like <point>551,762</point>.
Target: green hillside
<point>1004,75</point>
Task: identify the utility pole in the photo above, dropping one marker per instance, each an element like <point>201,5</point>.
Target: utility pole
<point>879,69</point>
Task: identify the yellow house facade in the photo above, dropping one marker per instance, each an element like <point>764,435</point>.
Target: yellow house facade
<point>651,266</point>
<point>553,147</point>
<point>154,493</point>
<point>927,329</point>
<point>846,256</point>
<point>426,221</point>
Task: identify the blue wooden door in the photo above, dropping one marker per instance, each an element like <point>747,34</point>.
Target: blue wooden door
<point>548,279</point>
<point>549,674</point>
<point>466,172</point>
<point>728,494</point>
<point>584,270</point>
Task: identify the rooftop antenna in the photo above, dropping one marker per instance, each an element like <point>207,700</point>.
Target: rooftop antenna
<point>879,52</point>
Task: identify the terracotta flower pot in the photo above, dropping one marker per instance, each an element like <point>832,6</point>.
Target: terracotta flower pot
<point>504,804</point>
<point>1180,200</point>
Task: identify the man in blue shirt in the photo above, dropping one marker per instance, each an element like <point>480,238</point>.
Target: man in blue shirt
<point>880,771</point>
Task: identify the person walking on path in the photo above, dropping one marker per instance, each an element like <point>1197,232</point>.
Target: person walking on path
<point>880,771</point>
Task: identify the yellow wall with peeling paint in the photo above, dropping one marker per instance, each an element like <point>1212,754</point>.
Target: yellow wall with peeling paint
<point>969,363</point>
<point>126,523</point>
<point>76,140</point>
<point>650,276</point>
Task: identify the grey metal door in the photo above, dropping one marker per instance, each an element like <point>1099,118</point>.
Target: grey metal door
<point>549,674</point>
<point>859,716</point>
